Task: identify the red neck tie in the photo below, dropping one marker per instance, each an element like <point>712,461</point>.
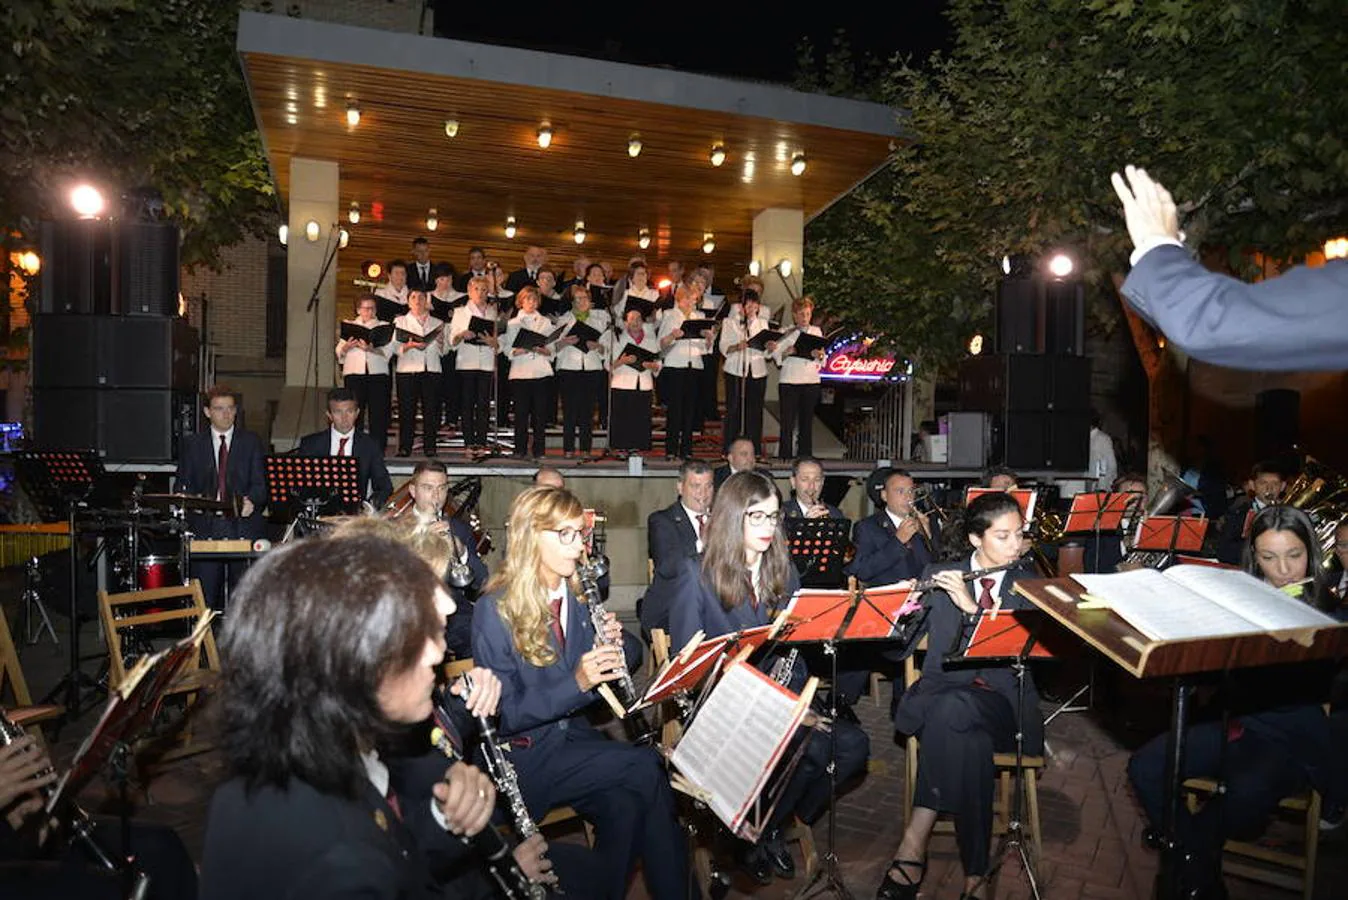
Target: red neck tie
<point>221,465</point>
<point>341,446</point>
<point>557,633</point>
<point>701,525</point>
<point>985,600</point>
<point>392,800</point>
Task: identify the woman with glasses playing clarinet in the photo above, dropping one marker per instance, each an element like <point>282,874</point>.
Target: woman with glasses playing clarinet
<point>963,716</point>
<point>743,578</point>
<point>533,631</point>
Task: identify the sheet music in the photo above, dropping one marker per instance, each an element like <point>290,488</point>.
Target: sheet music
<point>1248,597</point>
<point>735,740</point>
<point>1162,608</point>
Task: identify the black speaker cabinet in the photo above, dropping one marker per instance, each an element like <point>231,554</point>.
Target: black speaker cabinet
<point>1045,440</point>
<point>1017,309</point>
<point>77,266</point>
<point>1064,312</point>
<point>1027,382</point>
<point>1277,421</point>
<point>130,425</point>
<point>147,269</point>
<point>85,351</point>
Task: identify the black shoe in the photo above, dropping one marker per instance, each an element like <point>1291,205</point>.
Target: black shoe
<point>754,863</point>
<point>894,889</point>
<point>783,866</point>
<point>847,714</point>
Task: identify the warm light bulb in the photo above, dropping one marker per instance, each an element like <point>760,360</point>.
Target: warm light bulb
<point>432,220</point>
<point>1060,265</point>
<point>708,243</point>
<point>580,232</point>
<point>353,114</point>
<point>976,345</point>
<point>798,164</point>
<point>451,128</point>
<point>353,215</point>
<point>1337,248</point>
<point>643,239</point>
<point>510,227</point>
<point>29,262</point>
<point>634,146</point>
<point>784,267</point>
<point>755,267</point>
<point>311,230</point>
<point>283,234</point>
<point>1006,265</point>
<point>343,238</point>
<point>717,155</point>
<point>87,201</point>
<point>544,136</point>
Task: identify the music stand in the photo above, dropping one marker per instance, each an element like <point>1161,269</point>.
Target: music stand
<point>1027,498</point>
<point>321,484</point>
<point>1168,534</point>
<point>817,547</point>
<point>1100,511</point>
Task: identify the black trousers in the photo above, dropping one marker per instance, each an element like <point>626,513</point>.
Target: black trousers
<point>743,414</point>
<point>707,401</point>
<point>215,575</point>
<point>503,394</point>
<point>680,390</point>
<point>372,396</point>
<point>451,394</point>
<point>797,404</point>
<point>580,395</point>
<point>964,727</point>
<point>476,408</point>
<point>531,414</point>
<point>631,428</point>
<point>806,794</point>
<point>418,388</point>
<point>1258,774</point>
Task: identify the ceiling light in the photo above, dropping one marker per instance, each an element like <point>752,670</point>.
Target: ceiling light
<point>343,238</point>
<point>432,219</point>
<point>283,234</point>
<point>353,214</point>
<point>634,146</point>
<point>783,267</point>
<point>353,114</point>
<point>87,201</point>
<point>708,243</point>
<point>755,267</point>
<point>510,227</point>
<point>544,135</point>
<point>580,232</point>
<point>798,164</point>
<point>311,231</point>
<point>1061,265</point>
<point>451,128</point>
<point>643,239</point>
<point>717,155</point>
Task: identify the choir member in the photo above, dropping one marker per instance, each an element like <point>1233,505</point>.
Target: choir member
<point>395,290</point>
<point>580,372</point>
<point>746,371</point>
<point>535,633</point>
<point>477,267</point>
<point>798,383</point>
<point>475,363</point>
<point>680,374</point>
<point>365,372</point>
<point>530,374</point>
<point>632,381</point>
<point>636,284</point>
<point>418,374</point>
<point>421,273</point>
<point>443,300</point>
<point>535,261</point>
<point>552,303</point>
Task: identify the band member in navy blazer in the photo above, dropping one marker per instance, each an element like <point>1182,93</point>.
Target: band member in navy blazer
<point>535,634</point>
<point>895,543</point>
<point>675,534</point>
<point>962,716</point>
<point>243,483</point>
<point>743,579</point>
<point>807,487</point>
<point>312,805</point>
<point>343,439</point>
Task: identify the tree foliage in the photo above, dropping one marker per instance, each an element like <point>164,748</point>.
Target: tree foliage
<point>131,94</point>
<point>1236,105</point>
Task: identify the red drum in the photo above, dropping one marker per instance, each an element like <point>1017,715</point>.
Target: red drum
<point>158,572</point>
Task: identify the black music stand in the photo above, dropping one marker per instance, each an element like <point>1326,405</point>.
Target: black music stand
<point>58,481</point>
<point>327,485</point>
<point>817,547</point>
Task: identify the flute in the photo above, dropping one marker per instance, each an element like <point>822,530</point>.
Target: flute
<point>928,583</point>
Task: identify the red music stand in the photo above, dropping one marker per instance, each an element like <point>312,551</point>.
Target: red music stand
<point>698,659</point>
<point>1099,511</point>
<point>1026,497</point>
<point>1171,533</point>
<point>864,614</point>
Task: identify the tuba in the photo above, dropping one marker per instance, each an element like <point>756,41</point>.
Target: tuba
<point>1322,494</point>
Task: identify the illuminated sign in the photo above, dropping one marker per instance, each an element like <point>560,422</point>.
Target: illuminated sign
<point>852,360</point>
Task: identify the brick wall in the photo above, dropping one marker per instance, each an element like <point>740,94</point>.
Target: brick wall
<point>235,300</point>
<point>385,15</point>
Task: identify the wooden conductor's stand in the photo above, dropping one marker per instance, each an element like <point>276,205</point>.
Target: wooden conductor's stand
<point>1180,659</point>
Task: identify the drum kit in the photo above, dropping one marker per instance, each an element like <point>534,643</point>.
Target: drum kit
<point>148,543</point>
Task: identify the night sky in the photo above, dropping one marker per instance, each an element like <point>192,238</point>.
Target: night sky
<point>707,38</point>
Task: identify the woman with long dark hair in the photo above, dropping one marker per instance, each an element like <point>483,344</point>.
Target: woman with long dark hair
<point>743,579</point>
<point>532,629</point>
<point>962,716</point>
<point>1276,741</point>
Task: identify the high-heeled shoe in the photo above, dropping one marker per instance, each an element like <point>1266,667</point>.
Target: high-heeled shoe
<point>891,889</point>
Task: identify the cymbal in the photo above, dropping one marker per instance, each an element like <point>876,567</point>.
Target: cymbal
<point>187,501</point>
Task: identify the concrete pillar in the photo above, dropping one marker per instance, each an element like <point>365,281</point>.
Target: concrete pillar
<point>313,196</point>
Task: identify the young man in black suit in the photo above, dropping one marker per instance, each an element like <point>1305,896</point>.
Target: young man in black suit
<point>807,488</point>
<point>893,544</point>
<point>343,439</point>
<point>223,463</point>
<point>673,535</point>
<point>421,271</point>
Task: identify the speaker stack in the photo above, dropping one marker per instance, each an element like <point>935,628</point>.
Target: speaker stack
<point>1036,387</point>
<point>114,368</point>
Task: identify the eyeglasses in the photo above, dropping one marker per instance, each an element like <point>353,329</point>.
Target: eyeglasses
<point>756,517</point>
<point>567,535</point>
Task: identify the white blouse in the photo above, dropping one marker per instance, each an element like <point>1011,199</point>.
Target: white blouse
<point>685,353</point>
<point>626,378</point>
<point>572,358</point>
<point>532,364</point>
<point>796,370</point>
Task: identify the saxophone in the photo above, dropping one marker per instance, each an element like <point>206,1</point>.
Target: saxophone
<point>497,852</point>
<point>77,825</point>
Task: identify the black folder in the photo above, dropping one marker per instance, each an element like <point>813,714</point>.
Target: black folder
<point>646,307</point>
<point>696,328</point>
<point>641,353</point>
<point>376,337</point>
<point>444,309</point>
<point>806,344</point>
<point>403,335</point>
<point>761,340</point>
<point>387,310</point>
<point>583,332</point>
<point>528,339</point>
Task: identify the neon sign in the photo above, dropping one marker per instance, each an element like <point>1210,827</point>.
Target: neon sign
<point>852,360</point>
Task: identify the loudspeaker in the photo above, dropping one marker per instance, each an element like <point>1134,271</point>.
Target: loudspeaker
<point>970,439</point>
<point>1064,311</point>
<point>79,351</point>
<point>1042,440</point>
<point>77,267</point>
<point>1017,303</point>
<point>131,425</point>
<point>1025,382</point>
<point>147,269</point>
<point>982,384</point>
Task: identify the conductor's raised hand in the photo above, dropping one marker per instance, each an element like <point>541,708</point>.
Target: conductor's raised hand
<point>1148,207</point>
<point>466,798</point>
<point>952,582</point>
<point>600,665</point>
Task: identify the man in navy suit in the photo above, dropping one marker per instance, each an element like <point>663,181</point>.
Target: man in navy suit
<point>222,463</point>
<point>1293,322</point>
<point>807,488</point>
<point>739,458</point>
<point>343,439</point>
<point>674,534</point>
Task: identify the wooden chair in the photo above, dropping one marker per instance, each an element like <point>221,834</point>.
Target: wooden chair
<point>671,729</point>
<point>141,609</point>
<point>1269,865</point>
<point>21,711</point>
<point>1005,764</point>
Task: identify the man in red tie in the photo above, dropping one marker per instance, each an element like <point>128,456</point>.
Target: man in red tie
<point>674,534</point>
<point>342,438</point>
<point>223,463</point>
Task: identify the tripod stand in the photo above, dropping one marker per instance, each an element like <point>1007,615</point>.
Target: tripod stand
<point>828,877</point>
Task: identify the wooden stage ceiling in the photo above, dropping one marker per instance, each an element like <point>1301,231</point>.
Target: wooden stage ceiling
<point>398,162</point>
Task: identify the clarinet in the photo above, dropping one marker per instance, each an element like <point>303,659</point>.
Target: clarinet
<point>495,850</point>
<point>624,687</point>
<point>784,666</point>
<point>75,822</point>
